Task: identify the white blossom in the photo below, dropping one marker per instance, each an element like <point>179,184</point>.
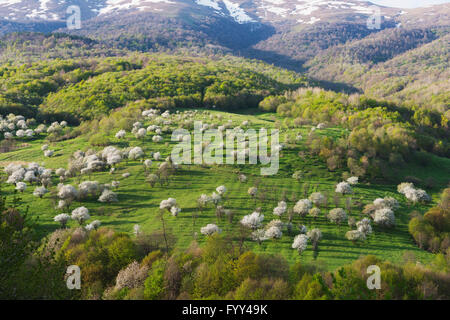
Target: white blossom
<point>259,235</point>
<point>317,198</point>
<point>210,229</point>
<point>40,192</point>
<point>121,134</point>
<point>314,235</point>
<point>148,163</point>
<point>108,196</point>
<point>384,217</point>
<point>80,214</point>
<point>21,186</point>
<point>253,220</point>
<point>364,226</point>
<point>48,153</point>
<point>300,243</point>
<point>62,219</point>
<point>273,232</point>
<point>355,235</point>
<point>135,153</point>
<point>221,190</point>
<point>168,204</point>
<point>344,188</point>
<point>175,211</point>
<point>337,215</point>
<point>67,192</point>
<point>302,207</point>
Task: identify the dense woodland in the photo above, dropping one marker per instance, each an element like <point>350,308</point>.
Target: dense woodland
<point>87,88</point>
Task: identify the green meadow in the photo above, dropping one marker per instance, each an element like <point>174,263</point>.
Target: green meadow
<point>138,202</point>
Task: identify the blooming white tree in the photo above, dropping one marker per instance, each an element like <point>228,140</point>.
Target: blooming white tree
<point>120,134</point>
<point>80,214</point>
<point>221,190</point>
<point>253,221</point>
<point>300,243</point>
<point>344,188</point>
<point>141,133</point>
<point>355,235</point>
<point>387,202</point>
<point>315,235</point>
<point>302,207</point>
<point>108,196</point>
<point>67,192</point>
<point>175,211</point>
<point>210,229</point>
<point>259,235</point>
<point>384,217</point>
<point>16,176</point>
<point>21,186</point>
<point>280,209</point>
<point>364,226</point>
<point>317,198</point>
<point>404,186</point>
<point>337,215</point>
<point>168,204</point>
<point>314,212</point>
<point>135,153</point>
<point>89,188</point>
<point>48,153</point>
<point>115,184</point>
<point>273,232</point>
<point>203,200</point>
<point>96,224</point>
<point>29,176</point>
<point>40,192</point>
<point>416,195</point>
<point>242,178</point>
<point>62,218</point>
<point>148,163</point>
<point>215,198</point>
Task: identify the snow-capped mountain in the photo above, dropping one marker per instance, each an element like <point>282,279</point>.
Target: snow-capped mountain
<point>284,32</point>
<point>241,11</point>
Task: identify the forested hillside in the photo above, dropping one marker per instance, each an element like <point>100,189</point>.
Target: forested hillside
<point>409,67</point>
<point>87,88</point>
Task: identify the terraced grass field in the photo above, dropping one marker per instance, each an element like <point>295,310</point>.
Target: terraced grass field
<point>139,202</point>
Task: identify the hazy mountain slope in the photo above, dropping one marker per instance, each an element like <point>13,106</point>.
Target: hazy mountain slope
<point>420,76</point>
<point>392,64</point>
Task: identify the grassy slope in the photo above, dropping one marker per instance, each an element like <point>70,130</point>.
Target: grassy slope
<point>139,203</point>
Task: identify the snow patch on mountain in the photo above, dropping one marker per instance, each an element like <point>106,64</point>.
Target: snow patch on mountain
<point>237,13</point>
<point>209,3</point>
<point>42,11</point>
<point>112,6</point>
